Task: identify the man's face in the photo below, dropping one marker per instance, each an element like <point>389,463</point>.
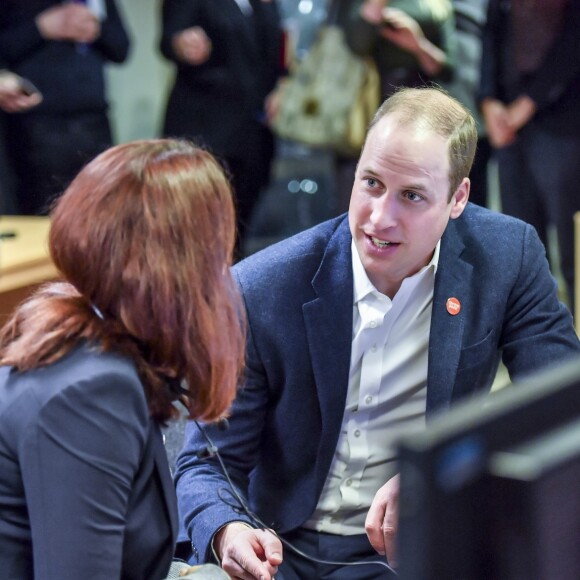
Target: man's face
<point>400,204</point>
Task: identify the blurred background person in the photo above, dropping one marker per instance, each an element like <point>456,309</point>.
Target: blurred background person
<point>229,56</point>
<point>411,42</point>
<point>62,48</point>
<point>147,314</point>
<point>469,16</point>
<point>530,99</point>
<point>15,96</point>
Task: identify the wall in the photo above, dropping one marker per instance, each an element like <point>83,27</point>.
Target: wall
<point>138,88</point>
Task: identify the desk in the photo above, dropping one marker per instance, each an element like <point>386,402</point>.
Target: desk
<point>24,260</point>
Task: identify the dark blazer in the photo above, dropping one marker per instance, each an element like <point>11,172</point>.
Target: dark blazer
<point>70,80</point>
<point>85,489</point>
<point>221,101</point>
<point>286,419</point>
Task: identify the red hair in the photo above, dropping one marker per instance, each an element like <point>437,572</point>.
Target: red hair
<point>144,235</point>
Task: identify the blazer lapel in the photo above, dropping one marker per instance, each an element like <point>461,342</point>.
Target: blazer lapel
<point>245,27</point>
<point>328,321</point>
<point>167,485</point>
<point>453,280</point>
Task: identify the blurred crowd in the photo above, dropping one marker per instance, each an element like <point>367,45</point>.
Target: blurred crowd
<point>516,65</point>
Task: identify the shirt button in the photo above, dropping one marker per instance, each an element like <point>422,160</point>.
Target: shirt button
<point>357,433</point>
<point>373,324</point>
<point>348,482</point>
<point>369,400</point>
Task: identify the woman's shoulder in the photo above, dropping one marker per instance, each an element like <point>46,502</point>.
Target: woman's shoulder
<point>86,376</point>
<point>88,399</point>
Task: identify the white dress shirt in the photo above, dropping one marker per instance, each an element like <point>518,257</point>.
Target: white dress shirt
<point>98,8</point>
<point>386,394</point>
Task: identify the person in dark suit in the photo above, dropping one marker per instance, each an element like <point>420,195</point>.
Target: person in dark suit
<point>147,315</point>
<point>530,99</point>
<point>359,329</point>
<point>228,57</point>
<point>62,47</point>
<point>15,97</point>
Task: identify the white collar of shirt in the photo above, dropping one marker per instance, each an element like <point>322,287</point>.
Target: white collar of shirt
<point>245,6</point>
<point>363,286</point>
<point>98,8</point>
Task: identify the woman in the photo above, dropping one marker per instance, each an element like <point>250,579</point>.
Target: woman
<point>412,41</point>
<point>147,314</point>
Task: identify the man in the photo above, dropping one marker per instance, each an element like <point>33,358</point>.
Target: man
<point>16,95</point>
<point>227,56</point>
<point>530,99</point>
<point>357,329</point>
<point>61,47</point>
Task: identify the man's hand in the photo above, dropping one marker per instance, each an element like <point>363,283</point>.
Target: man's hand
<point>192,45</point>
<point>248,554</point>
<point>70,22</point>
<point>383,518</point>
<point>520,111</point>
<point>499,129</point>
<point>13,98</point>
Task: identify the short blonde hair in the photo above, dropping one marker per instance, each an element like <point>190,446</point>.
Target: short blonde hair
<point>433,107</point>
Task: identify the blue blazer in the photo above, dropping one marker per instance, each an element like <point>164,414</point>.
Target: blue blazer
<point>85,488</point>
<point>286,419</point>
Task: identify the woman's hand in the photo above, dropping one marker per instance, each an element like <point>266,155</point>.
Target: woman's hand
<point>372,11</point>
<point>402,30</point>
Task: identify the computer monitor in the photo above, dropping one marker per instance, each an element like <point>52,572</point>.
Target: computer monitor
<point>451,498</point>
<point>534,513</point>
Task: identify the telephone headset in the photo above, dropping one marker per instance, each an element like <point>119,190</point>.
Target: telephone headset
<point>240,505</point>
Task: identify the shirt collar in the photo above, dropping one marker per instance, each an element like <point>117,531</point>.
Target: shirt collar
<point>363,286</point>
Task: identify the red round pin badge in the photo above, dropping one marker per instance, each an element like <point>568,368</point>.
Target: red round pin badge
<point>453,306</point>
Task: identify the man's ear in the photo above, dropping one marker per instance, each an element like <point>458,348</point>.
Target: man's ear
<point>459,199</point>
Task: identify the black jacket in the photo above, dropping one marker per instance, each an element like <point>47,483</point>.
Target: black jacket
<point>71,78</point>
<point>221,101</point>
